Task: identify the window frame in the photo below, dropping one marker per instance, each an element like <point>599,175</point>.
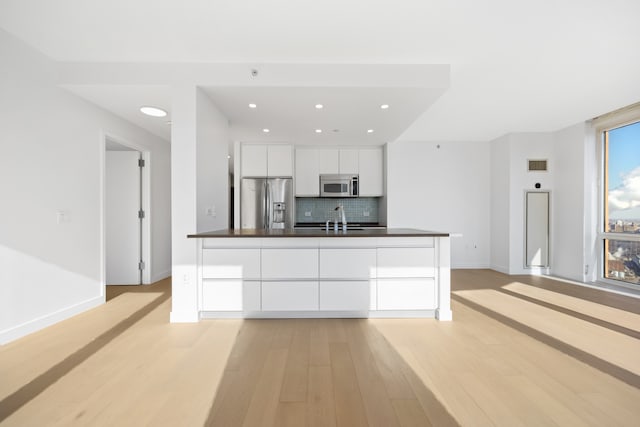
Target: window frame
<point>616,119</point>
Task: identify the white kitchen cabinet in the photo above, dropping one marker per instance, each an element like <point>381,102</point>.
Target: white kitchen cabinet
<point>392,276</point>
<point>328,161</point>
<point>307,172</point>
<point>230,295</point>
<point>228,264</point>
<point>259,160</point>
<point>251,296</point>
<point>347,263</point>
<point>222,294</point>
<point>289,263</point>
<point>290,296</point>
<point>406,294</point>
<point>279,160</point>
<point>254,160</point>
<point>406,262</point>
<point>354,295</point>
<point>371,170</point>
<point>348,161</point>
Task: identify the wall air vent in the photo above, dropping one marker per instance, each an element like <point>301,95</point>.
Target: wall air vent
<point>537,165</point>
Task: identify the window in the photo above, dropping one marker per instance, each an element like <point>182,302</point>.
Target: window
<point>621,205</point>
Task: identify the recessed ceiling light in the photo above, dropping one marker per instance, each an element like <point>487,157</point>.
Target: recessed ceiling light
<point>153,111</point>
<point>252,106</point>
<point>228,157</point>
<point>318,130</point>
<point>319,106</point>
<point>265,130</point>
<point>369,130</point>
<point>384,106</point>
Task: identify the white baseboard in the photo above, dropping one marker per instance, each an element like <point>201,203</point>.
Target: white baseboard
<point>499,268</point>
<point>470,266</point>
<point>42,322</point>
<point>160,276</point>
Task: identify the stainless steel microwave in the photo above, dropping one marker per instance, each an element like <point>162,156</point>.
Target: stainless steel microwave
<point>341,185</point>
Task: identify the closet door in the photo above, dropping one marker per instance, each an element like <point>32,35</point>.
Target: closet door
<point>537,229</point>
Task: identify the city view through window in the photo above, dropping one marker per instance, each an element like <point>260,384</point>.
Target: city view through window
<point>622,204</point>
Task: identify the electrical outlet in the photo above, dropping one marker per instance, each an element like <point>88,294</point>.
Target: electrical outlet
<point>307,213</point>
<point>365,213</point>
<point>62,216</point>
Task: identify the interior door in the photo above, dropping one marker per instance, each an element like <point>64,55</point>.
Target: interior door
<point>123,228</point>
<point>537,229</point>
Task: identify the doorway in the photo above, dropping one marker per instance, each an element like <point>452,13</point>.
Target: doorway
<point>125,225</point>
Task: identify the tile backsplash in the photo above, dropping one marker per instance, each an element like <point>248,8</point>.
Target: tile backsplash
<point>357,209</point>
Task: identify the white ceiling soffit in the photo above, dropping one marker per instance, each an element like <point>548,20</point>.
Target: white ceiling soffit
<point>125,101</point>
<point>346,117</point>
<point>515,66</point>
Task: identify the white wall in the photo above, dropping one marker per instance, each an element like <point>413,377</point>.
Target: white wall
<point>199,179</point>
<point>510,180</point>
<point>50,162</point>
<point>568,240</point>
<point>212,165</point>
<point>525,146</point>
<point>499,211</point>
<point>442,189</point>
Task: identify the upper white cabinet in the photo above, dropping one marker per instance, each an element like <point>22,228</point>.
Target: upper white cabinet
<point>328,160</point>
<point>254,160</point>
<point>348,161</point>
<point>313,162</point>
<point>371,169</point>
<point>307,172</point>
<point>280,160</point>
<point>267,160</point>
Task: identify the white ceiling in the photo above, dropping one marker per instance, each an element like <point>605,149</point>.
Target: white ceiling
<point>515,66</point>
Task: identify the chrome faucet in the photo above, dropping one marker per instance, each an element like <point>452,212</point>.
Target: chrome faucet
<point>344,217</point>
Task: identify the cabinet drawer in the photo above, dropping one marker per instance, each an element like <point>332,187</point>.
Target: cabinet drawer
<point>231,263</point>
<point>222,295</point>
<point>230,295</point>
<point>347,263</point>
<point>289,263</point>
<point>406,262</point>
<point>289,296</point>
<point>406,294</point>
<point>346,295</point>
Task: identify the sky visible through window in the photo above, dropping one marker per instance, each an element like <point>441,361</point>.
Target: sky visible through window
<point>624,173</point>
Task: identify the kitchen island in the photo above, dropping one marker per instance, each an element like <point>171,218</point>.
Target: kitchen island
<point>316,273</point>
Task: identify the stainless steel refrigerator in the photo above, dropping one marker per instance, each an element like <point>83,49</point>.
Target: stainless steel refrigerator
<point>266,203</point>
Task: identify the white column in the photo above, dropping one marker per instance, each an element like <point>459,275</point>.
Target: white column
<point>184,307</point>
<point>443,246</point>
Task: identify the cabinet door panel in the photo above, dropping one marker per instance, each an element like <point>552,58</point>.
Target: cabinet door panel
<point>406,294</point>
<point>348,161</point>
<point>279,161</point>
<point>406,262</point>
<point>289,296</point>
<point>347,263</point>
<point>371,172</point>
<point>251,295</point>
<point>222,295</point>
<point>289,263</point>
<point>254,160</point>
<point>346,295</point>
<point>328,160</point>
<point>307,172</point>
<point>231,263</point>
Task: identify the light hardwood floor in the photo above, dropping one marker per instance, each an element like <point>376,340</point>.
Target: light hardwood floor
<point>520,351</point>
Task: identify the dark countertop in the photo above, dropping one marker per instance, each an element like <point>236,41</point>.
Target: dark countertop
<point>304,232</point>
